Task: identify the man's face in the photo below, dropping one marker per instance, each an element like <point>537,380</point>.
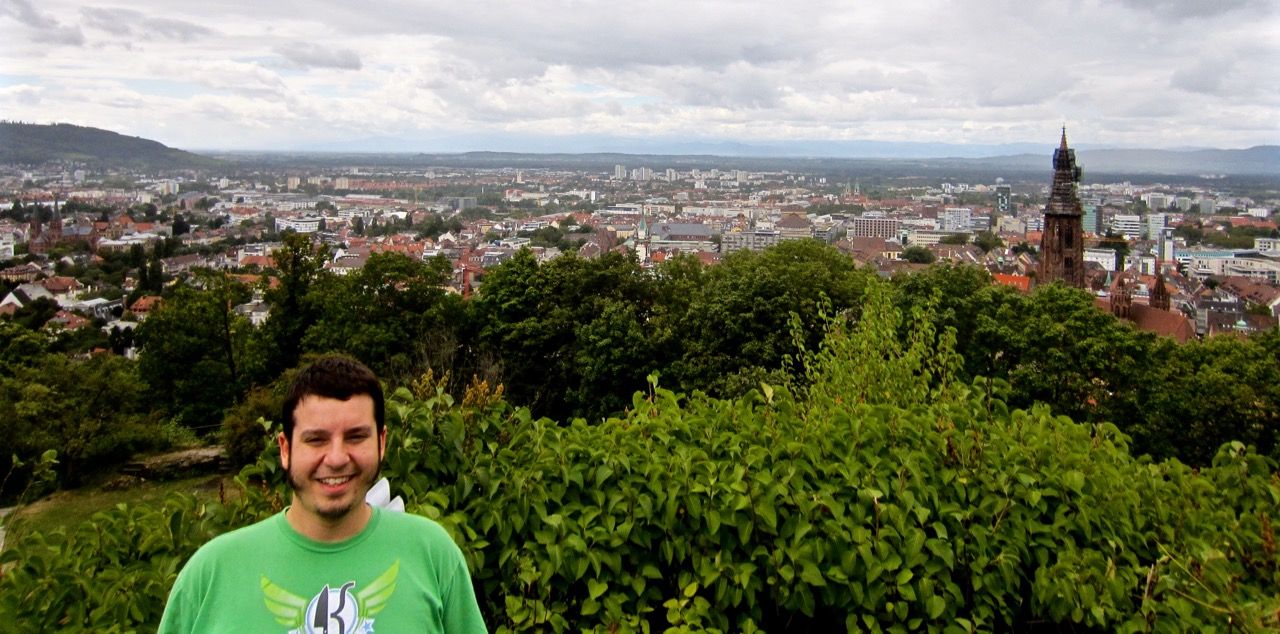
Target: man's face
<point>332,458</point>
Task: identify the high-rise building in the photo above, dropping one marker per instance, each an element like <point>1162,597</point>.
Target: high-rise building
<point>955,219</point>
<point>1155,225</point>
<point>1004,200</point>
<point>1092,222</point>
<point>620,172</point>
<point>1062,242</point>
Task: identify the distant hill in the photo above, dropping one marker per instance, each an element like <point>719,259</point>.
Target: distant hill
<point>33,144</point>
<point>1259,160</point>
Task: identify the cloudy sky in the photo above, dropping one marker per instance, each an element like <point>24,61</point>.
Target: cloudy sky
<point>437,75</point>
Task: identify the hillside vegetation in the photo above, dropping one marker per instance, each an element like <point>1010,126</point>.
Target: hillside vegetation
<point>33,144</point>
<point>576,337</point>
<point>878,494</point>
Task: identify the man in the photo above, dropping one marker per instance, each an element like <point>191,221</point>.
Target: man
<point>329,562</point>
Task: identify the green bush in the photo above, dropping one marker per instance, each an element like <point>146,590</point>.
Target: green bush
<point>244,431</point>
<point>879,494</point>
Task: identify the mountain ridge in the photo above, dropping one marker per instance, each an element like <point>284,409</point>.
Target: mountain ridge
<point>35,144</point>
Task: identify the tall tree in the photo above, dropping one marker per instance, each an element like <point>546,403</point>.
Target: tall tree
<point>388,314</point>
<point>193,349</point>
<point>299,265</point>
<point>540,320</point>
<point>738,326</point>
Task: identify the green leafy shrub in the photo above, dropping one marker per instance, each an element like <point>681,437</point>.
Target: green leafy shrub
<point>880,494</point>
<point>244,430</point>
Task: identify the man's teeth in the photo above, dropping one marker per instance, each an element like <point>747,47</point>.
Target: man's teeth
<point>335,481</point>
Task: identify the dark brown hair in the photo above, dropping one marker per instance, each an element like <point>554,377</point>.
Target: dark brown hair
<point>336,377</point>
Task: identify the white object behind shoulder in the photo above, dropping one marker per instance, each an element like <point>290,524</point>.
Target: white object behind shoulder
<point>380,495</point>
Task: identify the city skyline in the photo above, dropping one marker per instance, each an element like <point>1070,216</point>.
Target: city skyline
<point>590,76</point>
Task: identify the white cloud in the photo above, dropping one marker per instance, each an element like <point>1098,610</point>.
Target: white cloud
<point>44,26</point>
<point>309,55</point>
<point>984,71</point>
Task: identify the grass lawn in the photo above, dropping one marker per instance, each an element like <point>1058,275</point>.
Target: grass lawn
<point>70,508</point>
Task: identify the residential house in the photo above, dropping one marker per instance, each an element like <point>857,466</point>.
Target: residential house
<point>142,306</point>
<point>26,293</point>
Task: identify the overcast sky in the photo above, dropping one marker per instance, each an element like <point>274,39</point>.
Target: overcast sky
<point>235,74</point>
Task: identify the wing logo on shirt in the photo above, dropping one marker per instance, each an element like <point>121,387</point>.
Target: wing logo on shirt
<point>343,610</point>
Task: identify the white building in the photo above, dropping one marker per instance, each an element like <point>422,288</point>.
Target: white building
<point>303,224</point>
<point>1106,258</point>
<point>1246,263</point>
<point>756,240</point>
<point>873,227</point>
<point>1155,226</point>
<point>1156,201</point>
<point>1127,225</point>
<point>955,219</point>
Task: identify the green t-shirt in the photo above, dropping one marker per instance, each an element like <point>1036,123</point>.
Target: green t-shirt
<point>402,573</point>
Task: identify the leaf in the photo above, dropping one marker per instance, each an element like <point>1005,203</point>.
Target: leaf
<point>934,606</point>
<point>903,577</point>
<point>810,574</point>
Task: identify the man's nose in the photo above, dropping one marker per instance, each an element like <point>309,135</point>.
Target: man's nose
<point>337,453</point>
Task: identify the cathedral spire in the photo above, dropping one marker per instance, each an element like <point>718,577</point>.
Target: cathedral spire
<point>1061,244</point>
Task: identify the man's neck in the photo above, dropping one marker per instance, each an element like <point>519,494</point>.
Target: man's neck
<point>320,530</point>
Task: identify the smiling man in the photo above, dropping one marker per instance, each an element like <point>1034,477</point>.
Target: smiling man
<point>329,562</point>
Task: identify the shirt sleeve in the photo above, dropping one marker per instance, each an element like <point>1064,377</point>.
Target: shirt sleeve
<point>461,611</point>
<point>180,609</point>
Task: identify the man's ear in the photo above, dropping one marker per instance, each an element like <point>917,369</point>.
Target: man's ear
<point>283,441</point>
<point>382,444</point>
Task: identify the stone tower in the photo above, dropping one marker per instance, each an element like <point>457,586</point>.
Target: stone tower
<point>1061,245</point>
<point>55,225</point>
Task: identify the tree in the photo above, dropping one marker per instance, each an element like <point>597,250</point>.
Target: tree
<point>954,238</point>
<point>94,413</point>
<point>1117,243</point>
<point>180,225</point>
<point>540,320</point>
<point>385,314</point>
<point>987,241</point>
<point>738,326</point>
<point>193,349</point>
<point>299,265</point>
<point>917,254</point>
<point>36,313</point>
<point>1209,393</point>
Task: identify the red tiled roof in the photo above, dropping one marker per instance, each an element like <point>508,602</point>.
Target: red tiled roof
<point>1162,322</point>
<point>60,284</point>
<point>1165,323</point>
<point>1020,282</point>
<point>145,303</point>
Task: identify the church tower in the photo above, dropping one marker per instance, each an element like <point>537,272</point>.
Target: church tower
<point>34,231</point>
<point>1061,245</point>
<point>55,225</point>
<point>1159,293</point>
